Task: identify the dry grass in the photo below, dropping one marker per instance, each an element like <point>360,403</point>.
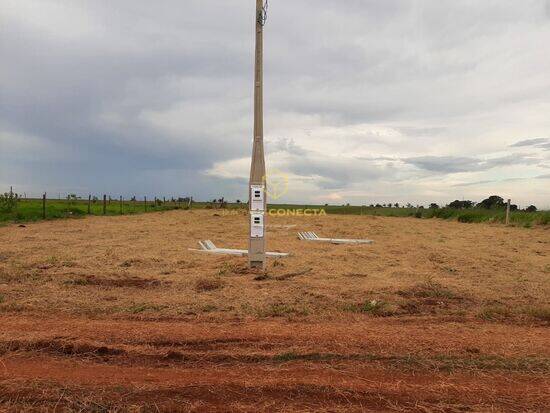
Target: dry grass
<point>106,266</point>
<point>208,284</point>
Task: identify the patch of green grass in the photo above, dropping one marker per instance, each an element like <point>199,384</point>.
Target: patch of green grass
<point>282,310</point>
<point>442,363</point>
<point>502,313</point>
<point>538,313</point>
<point>292,356</point>
<point>374,307</point>
<point>77,281</point>
<point>143,307</point>
<point>429,289</point>
<point>495,313</point>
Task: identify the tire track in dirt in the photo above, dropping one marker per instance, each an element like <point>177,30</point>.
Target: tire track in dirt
<point>374,364</point>
<point>265,388</point>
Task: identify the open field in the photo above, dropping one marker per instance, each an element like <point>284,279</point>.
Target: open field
<point>103,313</point>
<point>31,210</point>
<point>472,215</point>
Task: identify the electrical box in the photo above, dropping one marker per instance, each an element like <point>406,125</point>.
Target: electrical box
<point>257,225</point>
<point>257,198</point>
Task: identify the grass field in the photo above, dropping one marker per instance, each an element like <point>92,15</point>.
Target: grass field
<point>31,210</point>
<point>102,313</point>
<point>462,215</point>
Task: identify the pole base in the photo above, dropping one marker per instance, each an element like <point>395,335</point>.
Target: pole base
<point>260,265</point>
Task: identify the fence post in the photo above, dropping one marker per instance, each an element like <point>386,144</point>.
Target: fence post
<point>145,202</point>
<point>89,204</point>
<point>121,212</point>
<point>508,212</point>
<point>104,204</point>
<point>44,206</point>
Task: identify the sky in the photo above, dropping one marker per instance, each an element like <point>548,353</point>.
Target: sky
<point>366,101</point>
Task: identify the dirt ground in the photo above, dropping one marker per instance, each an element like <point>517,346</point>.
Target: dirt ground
<point>115,313</point>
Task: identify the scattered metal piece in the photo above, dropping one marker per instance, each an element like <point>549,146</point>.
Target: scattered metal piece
<point>209,247</point>
<point>312,236</point>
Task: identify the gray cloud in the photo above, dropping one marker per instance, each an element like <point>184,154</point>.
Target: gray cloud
<point>128,98</point>
<point>531,142</point>
<point>450,164</point>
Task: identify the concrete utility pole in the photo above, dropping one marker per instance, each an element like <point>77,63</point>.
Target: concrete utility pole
<point>257,190</point>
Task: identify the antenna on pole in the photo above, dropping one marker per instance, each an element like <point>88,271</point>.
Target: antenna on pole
<point>257,188</point>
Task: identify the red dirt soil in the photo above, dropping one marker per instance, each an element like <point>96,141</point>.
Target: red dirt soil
<point>373,365</point>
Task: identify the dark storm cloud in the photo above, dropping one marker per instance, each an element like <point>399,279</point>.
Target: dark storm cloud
<point>134,96</point>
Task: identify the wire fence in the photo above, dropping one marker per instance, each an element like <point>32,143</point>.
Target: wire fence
<point>22,208</point>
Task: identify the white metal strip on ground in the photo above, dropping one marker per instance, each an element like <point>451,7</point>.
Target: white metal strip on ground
<point>209,247</point>
<point>312,236</point>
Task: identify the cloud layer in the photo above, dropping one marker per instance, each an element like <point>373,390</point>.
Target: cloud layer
<point>366,101</point>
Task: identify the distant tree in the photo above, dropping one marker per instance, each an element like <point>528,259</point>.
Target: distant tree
<point>531,208</point>
<point>461,204</point>
<point>409,205</point>
<point>238,201</point>
<point>379,206</point>
<point>396,205</point>
<point>493,202</point>
<point>434,206</point>
<point>513,207</point>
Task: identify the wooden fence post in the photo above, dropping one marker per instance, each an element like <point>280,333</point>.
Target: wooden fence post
<point>44,206</point>
<point>104,204</point>
<point>145,202</point>
<point>89,204</point>
<point>508,212</point>
<point>121,211</point>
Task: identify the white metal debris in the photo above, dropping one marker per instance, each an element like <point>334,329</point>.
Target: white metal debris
<point>209,247</point>
<point>312,236</point>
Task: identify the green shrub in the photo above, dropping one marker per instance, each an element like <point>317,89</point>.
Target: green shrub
<point>8,202</point>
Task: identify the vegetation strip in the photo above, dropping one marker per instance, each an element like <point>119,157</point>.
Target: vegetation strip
<point>444,363</point>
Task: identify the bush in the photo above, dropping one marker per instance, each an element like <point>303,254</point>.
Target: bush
<point>8,202</point>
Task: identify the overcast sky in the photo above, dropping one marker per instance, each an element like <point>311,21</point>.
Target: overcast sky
<point>365,101</point>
